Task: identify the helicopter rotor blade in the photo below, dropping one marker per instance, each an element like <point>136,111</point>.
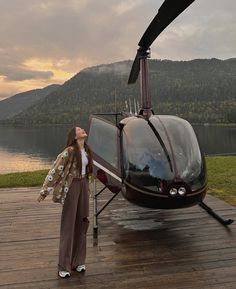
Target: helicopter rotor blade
<point>168,11</point>
<point>134,70</point>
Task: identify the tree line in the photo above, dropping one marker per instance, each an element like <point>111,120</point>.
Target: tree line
<point>200,91</point>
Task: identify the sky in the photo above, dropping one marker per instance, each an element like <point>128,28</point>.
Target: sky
<point>48,41</point>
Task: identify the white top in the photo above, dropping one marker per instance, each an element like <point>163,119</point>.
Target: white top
<point>84,161</point>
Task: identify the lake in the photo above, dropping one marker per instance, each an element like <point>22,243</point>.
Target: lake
<point>28,149</point>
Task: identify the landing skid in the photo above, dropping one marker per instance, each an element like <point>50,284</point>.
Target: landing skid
<point>211,212</point>
<point>97,212</point>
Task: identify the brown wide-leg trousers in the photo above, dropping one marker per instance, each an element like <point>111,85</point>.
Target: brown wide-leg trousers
<point>74,226</point>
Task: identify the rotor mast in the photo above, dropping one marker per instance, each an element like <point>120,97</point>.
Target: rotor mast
<point>168,11</point>
<point>146,105</point>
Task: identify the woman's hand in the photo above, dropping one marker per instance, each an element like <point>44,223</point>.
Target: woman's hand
<point>40,198</point>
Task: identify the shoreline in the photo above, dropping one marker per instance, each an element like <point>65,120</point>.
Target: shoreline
<point>221,171</point>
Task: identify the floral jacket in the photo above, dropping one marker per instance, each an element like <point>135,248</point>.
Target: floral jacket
<point>60,176</point>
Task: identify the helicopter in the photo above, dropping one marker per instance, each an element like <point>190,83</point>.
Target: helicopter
<point>155,161</point>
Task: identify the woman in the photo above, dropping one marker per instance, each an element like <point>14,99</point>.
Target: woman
<point>68,182</point>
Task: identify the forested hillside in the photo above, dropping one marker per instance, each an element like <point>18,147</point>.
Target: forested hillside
<point>201,90</point>
<point>17,103</point>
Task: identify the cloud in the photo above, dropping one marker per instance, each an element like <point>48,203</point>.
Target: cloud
<point>125,6</point>
<point>67,36</point>
<point>205,30</point>
<point>118,69</point>
<point>19,74</point>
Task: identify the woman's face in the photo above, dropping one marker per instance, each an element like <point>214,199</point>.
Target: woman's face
<point>80,133</point>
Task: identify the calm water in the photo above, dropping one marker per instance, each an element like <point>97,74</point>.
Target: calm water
<point>27,149</point>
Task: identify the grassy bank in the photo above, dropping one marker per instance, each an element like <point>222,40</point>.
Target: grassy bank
<point>221,178</point>
<point>24,179</point>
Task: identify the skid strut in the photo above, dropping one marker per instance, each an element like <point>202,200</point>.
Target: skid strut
<point>211,212</point>
<point>97,212</point>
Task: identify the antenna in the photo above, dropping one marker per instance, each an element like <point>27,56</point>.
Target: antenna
<point>138,106</point>
<point>115,102</point>
<point>130,107</point>
<point>135,107</point>
<point>126,105</point>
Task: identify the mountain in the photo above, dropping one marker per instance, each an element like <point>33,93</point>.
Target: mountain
<point>200,90</point>
<point>16,104</point>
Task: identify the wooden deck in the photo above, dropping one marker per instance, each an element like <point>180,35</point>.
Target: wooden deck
<point>136,247</point>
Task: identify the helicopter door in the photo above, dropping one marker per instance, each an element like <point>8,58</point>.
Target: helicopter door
<point>103,139</point>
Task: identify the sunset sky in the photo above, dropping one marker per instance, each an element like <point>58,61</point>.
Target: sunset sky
<point>45,42</point>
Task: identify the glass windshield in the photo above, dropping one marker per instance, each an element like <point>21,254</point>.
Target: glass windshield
<point>103,140</point>
<point>190,165</point>
<point>146,153</point>
<point>145,161</point>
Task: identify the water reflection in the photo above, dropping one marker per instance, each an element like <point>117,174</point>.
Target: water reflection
<point>217,139</point>
<point>23,149</point>
<point>45,141</point>
<point>21,162</point>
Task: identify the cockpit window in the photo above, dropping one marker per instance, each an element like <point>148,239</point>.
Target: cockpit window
<point>103,140</point>
<point>185,149</point>
<point>145,160</point>
<point>151,163</point>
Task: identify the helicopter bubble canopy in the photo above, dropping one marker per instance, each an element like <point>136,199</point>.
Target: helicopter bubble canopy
<point>162,151</point>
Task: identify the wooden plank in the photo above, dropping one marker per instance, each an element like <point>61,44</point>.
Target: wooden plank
<point>136,247</point>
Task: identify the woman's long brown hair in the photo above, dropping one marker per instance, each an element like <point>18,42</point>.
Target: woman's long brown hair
<point>71,142</point>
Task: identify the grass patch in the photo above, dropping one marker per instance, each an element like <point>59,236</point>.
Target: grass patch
<point>24,179</point>
<point>221,178</point>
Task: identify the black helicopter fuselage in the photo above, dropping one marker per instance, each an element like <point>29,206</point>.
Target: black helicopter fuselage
<point>154,162</point>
